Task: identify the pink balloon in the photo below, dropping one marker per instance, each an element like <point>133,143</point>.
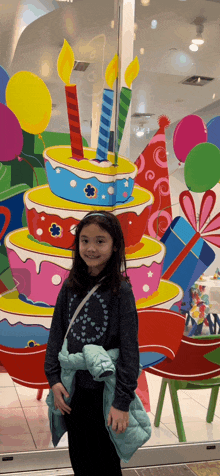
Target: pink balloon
<point>190,132</point>
<point>11,137</point>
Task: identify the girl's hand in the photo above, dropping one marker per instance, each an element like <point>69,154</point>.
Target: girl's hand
<point>58,391</point>
<point>118,419</point>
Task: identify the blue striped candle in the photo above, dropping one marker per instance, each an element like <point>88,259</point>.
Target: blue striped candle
<point>105,125</point>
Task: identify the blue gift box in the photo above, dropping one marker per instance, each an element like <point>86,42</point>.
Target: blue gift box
<point>177,236</point>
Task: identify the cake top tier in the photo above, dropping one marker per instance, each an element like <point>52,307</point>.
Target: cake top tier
<point>61,155</point>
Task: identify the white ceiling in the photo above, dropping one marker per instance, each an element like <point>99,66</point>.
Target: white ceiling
<point>86,25</point>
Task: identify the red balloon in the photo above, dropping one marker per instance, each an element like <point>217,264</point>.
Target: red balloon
<point>190,132</point>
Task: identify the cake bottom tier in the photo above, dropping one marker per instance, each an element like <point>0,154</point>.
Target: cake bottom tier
<point>24,359</point>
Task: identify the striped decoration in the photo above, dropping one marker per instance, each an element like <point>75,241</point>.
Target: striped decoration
<point>105,125</point>
<point>125,99</point>
<point>74,122</point>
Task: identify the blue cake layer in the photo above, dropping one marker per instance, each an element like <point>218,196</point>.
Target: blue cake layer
<point>20,335</point>
<point>66,184</point>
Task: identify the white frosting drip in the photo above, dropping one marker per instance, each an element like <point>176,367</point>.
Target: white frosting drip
<point>104,163</point>
<point>38,258</point>
<point>45,321</point>
<point>148,260</point>
<point>79,214</point>
<point>84,174</point>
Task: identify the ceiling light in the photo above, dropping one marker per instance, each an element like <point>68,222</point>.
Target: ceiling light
<point>45,69</point>
<point>154,24</point>
<point>193,47</point>
<point>140,133</point>
<point>199,22</point>
<point>198,40</point>
<point>213,96</point>
<point>112,24</point>
<point>142,51</point>
<point>145,2</point>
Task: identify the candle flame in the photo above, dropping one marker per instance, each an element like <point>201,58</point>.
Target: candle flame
<point>65,62</point>
<point>132,71</point>
<point>111,72</point>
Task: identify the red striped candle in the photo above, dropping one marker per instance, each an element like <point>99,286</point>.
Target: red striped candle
<point>74,121</point>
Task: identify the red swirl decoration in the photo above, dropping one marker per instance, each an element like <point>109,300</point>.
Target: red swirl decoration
<point>154,176</point>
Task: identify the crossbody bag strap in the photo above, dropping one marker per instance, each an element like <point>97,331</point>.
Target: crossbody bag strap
<point>80,306</point>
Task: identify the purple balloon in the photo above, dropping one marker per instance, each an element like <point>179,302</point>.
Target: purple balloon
<point>11,137</point>
<point>190,132</point>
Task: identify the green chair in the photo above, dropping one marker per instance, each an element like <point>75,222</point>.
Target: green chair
<point>174,386</point>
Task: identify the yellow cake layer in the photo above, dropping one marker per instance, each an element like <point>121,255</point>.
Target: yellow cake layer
<point>11,303</point>
<point>20,240</point>
<point>44,197</point>
<point>63,156</point>
<point>151,248</point>
<point>167,291</point>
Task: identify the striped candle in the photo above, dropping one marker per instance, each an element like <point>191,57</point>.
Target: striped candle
<point>105,124</point>
<point>125,100</point>
<point>74,121</point>
<point>124,103</point>
<point>65,65</point>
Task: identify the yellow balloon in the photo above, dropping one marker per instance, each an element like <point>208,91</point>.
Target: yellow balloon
<point>29,99</point>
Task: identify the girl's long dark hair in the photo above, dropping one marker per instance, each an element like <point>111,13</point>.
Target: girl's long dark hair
<point>115,269</point>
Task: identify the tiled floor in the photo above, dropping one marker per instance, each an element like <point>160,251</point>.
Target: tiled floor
<point>24,423</point>
<point>194,469</point>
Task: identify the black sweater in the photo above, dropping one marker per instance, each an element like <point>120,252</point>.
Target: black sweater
<point>107,320</point>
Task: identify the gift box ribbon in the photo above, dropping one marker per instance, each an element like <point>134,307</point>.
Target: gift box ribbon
<point>188,207</point>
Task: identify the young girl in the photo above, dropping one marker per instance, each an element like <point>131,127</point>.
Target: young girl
<point>109,319</point>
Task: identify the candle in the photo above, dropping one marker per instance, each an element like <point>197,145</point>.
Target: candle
<point>124,102</point>
<point>106,113</point>
<point>65,64</point>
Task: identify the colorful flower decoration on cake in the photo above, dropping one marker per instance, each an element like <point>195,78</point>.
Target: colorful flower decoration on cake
<point>31,343</point>
<point>90,191</point>
<point>55,230</point>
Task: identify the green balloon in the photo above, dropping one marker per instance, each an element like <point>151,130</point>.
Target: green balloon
<point>202,167</point>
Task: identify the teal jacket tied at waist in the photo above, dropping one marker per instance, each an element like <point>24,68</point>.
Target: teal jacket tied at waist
<point>102,366</point>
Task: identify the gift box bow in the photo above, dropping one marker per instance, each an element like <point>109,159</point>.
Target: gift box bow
<point>201,229</point>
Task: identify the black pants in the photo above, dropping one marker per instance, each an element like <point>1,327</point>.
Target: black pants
<point>91,450</point>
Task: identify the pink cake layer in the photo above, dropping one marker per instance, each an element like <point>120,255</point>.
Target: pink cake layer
<point>39,271</point>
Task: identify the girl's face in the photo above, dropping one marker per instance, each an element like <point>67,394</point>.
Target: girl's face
<point>95,247</point>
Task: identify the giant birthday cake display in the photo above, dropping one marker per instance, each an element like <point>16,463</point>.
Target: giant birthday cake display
<point>79,180</point>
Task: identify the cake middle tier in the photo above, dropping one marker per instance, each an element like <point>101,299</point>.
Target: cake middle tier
<point>39,270</point>
<point>52,219</point>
